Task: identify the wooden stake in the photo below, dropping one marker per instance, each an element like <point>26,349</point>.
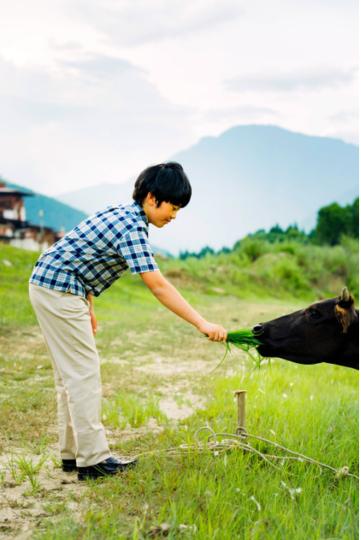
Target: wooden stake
<point>241,412</point>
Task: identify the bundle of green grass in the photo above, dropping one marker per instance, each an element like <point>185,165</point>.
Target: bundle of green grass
<point>245,340</point>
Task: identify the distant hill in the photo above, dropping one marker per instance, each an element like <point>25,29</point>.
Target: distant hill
<point>94,198</point>
<point>57,215</point>
<point>247,178</point>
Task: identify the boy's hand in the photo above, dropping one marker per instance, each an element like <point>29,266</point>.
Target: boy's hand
<point>92,313</point>
<point>215,332</point>
<point>93,320</point>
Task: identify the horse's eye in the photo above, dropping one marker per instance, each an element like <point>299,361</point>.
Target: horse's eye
<point>314,314</point>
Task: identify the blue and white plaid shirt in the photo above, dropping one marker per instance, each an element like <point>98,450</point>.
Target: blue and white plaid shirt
<point>95,253</point>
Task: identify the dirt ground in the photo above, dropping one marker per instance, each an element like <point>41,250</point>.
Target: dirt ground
<point>33,486</point>
<point>24,505</point>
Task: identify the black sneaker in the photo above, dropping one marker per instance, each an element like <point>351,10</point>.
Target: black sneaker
<point>108,467</point>
<point>68,465</point>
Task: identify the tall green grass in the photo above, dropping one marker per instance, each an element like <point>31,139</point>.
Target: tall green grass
<point>311,409</point>
<point>281,270</point>
<point>223,496</point>
<point>255,268</point>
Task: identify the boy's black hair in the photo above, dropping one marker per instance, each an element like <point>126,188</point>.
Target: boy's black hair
<point>166,181</point>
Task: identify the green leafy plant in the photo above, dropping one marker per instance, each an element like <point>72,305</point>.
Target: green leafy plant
<point>243,339</point>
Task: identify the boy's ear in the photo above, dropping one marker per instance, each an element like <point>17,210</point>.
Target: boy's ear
<point>150,199</point>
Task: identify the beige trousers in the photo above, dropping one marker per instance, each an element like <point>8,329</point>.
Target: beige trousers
<point>65,323</point>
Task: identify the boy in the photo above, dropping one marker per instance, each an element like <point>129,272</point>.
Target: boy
<point>81,265</point>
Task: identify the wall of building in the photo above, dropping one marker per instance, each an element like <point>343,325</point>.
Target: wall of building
<point>29,243</point>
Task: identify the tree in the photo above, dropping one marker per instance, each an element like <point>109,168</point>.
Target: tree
<point>333,221</point>
<point>354,218</point>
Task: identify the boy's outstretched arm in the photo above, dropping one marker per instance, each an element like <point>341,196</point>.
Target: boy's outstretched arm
<point>168,295</point>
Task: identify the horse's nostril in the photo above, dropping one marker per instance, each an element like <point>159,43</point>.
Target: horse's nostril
<point>258,329</point>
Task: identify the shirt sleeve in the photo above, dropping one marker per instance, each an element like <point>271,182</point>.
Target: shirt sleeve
<point>134,247</point>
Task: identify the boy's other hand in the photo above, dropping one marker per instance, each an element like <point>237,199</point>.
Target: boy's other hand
<point>215,332</point>
<point>93,321</point>
<point>92,313</point>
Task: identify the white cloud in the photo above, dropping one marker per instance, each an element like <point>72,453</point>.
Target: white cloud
<point>139,22</point>
<point>95,90</point>
<point>94,120</point>
<point>246,112</point>
<point>314,79</point>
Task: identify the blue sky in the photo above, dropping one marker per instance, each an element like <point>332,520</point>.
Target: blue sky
<point>96,90</point>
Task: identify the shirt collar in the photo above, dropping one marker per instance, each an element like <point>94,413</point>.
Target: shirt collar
<point>137,208</point>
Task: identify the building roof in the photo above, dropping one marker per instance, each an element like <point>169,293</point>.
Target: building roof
<point>17,223</point>
<point>5,192</point>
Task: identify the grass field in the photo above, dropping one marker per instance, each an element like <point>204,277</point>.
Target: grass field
<point>160,388</point>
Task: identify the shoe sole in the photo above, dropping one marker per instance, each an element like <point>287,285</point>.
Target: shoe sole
<point>92,476</point>
<point>92,473</point>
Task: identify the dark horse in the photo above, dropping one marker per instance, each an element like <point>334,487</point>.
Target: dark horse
<point>327,331</point>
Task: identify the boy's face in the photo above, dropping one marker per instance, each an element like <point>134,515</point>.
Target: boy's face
<point>159,215</point>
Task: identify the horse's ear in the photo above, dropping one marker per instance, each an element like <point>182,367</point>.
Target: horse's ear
<point>344,309</point>
<point>345,299</point>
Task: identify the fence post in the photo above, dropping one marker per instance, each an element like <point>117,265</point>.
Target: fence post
<point>241,412</point>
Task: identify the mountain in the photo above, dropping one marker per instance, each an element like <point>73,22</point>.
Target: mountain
<point>56,214</point>
<point>95,198</point>
<point>247,178</point>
